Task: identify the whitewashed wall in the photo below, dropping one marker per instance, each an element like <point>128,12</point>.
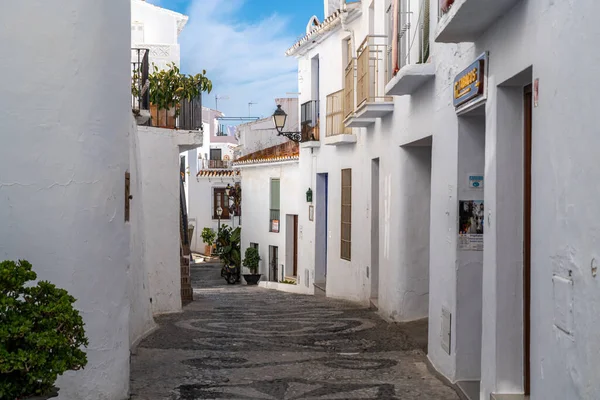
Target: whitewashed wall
<point>256,184</point>
<point>141,320</point>
<point>562,365</point>
<point>159,165</point>
<point>63,159</point>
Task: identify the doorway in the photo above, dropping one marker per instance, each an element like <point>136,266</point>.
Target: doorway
<point>527,146</point>
<point>321,230</point>
<point>374,270</point>
<point>273,262</point>
<point>291,247</point>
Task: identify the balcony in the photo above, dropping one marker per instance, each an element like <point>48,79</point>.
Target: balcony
<point>466,20</point>
<point>309,121</point>
<point>336,132</point>
<point>408,60</point>
<point>371,77</point>
<point>216,164</point>
<point>190,112</point>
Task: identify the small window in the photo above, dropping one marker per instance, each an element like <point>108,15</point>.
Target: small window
<point>220,199</point>
<point>274,220</point>
<point>346,228</point>
<point>215,154</point>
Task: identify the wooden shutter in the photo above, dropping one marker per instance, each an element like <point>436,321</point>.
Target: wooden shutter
<point>346,228</point>
<point>275,194</point>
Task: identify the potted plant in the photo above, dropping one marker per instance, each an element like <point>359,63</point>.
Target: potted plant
<point>228,243</point>
<point>169,87</point>
<point>251,260</point>
<point>208,236</point>
<point>41,334</point>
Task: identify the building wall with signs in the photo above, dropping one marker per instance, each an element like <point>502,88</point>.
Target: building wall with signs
<point>392,265</point>
<point>474,242</point>
<point>522,45</point>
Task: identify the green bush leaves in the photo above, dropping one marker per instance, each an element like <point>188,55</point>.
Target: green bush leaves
<point>41,334</point>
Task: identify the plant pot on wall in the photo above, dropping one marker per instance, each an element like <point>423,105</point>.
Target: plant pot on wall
<point>161,118</point>
<point>208,250</point>
<point>252,279</point>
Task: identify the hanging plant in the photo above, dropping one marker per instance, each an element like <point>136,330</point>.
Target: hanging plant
<point>168,88</point>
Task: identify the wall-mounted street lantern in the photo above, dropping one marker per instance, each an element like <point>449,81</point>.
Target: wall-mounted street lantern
<point>309,195</point>
<point>279,118</point>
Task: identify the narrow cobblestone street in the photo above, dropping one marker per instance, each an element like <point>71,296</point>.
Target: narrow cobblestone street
<point>240,342</point>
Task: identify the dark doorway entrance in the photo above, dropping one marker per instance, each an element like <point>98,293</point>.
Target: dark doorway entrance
<point>273,262</point>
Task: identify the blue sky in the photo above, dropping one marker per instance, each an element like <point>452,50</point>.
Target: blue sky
<point>241,44</point>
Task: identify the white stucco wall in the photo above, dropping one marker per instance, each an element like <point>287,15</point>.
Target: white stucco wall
<point>256,184</point>
<point>561,364</point>
<point>160,149</point>
<point>141,320</point>
<point>63,158</point>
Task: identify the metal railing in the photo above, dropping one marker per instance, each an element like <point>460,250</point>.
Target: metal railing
<point>335,115</point>
<point>140,69</point>
<point>348,95</point>
<point>309,121</point>
<point>190,114</point>
<point>216,164</point>
<point>371,71</point>
<point>413,36</point>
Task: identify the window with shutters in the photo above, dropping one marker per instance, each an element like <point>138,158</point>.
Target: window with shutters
<point>274,212</point>
<point>346,228</point>
<point>220,199</point>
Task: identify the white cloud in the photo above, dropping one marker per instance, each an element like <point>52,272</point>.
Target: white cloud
<point>245,61</point>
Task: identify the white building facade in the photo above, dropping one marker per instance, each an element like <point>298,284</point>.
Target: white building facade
<point>157,29</point>
<point>208,172</point>
<point>458,152</point>
<point>272,200</point>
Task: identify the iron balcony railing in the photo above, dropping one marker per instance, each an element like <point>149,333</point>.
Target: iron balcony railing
<point>309,121</point>
<point>371,71</point>
<point>335,115</point>
<point>190,114</point>
<point>140,69</point>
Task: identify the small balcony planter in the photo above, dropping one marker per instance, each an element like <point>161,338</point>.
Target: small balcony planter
<point>251,261</point>
<point>208,236</point>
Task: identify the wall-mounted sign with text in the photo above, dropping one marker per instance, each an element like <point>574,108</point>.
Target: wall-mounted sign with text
<point>469,84</point>
<point>475,181</point>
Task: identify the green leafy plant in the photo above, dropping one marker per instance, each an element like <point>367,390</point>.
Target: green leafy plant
<point>41,334</point>
<point>228,246</point>
<point>251,260</point>
<point>208,236</point>
<point>169,87</point>
<point>287,282</point>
